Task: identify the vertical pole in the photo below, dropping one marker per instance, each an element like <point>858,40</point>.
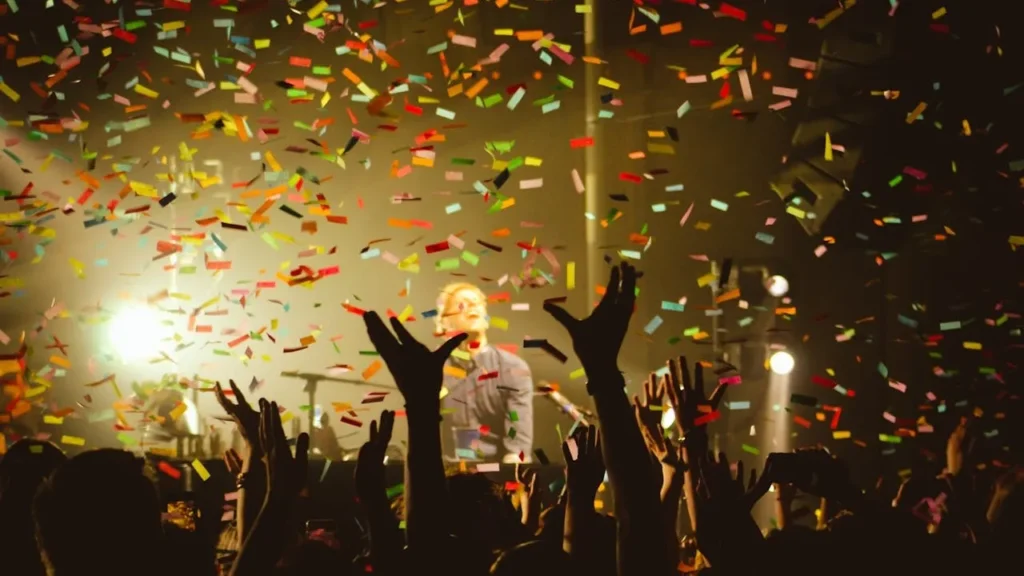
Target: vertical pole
<point>592,160</point>
<point>715,284</point>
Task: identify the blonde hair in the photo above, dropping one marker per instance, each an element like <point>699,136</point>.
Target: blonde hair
<point>445,298</point>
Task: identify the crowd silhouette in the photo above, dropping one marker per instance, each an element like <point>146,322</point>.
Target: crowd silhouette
<point>100,513</point>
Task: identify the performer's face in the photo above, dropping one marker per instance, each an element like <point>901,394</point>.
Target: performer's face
<point>467,312</point>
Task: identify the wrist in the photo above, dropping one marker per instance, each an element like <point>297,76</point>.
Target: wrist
<point>605,380</point>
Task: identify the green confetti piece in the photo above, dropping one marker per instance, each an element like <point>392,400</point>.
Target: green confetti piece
<point>396,490</point>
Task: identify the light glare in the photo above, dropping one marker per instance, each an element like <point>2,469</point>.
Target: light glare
<point>135,333</point>
<point>781,363</point>
<point>778,286</point>
<point>668,418</point>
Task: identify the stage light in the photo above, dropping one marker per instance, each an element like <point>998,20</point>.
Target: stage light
<point>136,332</point>
<point>777,286</point>
<point>668,418</point>
<point>781,363</point>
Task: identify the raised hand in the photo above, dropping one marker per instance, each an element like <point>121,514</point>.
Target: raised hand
<point>718,482</point>
<point>690,402</point>
<point>246,418</point>
<point>286,474</point>
<point>814,471</point>
<point>418,371</point>
<point>598,338</point>
<point>370,464</point>
<point>233,462</point>
<point>530,502</point>
<point>648,416</point>
<point>584,474</point>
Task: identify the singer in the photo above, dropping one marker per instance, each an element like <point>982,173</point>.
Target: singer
<point>487,398</point>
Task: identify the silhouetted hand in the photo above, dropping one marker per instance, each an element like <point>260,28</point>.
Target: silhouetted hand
<point>648,415</point>
<point>724,502</point>
<point>247,419</point>
<point>370,464</point>
<point>233,462</point>
<point>785,492</point>
<point>718,482</point>
<point>530,502</point>
<point>584,474</point>
<point>690,403</point>
<point>814,471</point>
<point>418,371</point>
<point>286,474</point>
<point>598,338</point>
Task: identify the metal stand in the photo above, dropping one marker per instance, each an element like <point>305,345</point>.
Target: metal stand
<point>312,383</point>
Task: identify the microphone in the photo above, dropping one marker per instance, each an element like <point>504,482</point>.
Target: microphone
<point>575,412</point>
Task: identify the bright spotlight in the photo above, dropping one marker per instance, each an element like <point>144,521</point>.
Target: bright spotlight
<point>777,286</point>
<point>136,333</point>
<point>668,418</point>
<point>781,363</point>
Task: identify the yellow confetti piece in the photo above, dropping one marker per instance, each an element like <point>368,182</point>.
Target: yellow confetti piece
<point>455,372</point>
<point>9,92</point>
<point>840,434</point>
<point>602,81</point>
<point>828,147</point>
<point>54,420</point>
<point>204,474</point>
<point>972,345</point>
<point>178,411</point>
<point>577,374</point>
<point>406,313</point>
<point>72,440</point>
<point>570,275</point>
<point>140,89</point>
<point>499,323</point>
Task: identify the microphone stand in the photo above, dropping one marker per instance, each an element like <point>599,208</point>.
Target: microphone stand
<point>574,411</point>
<point>312,382</point>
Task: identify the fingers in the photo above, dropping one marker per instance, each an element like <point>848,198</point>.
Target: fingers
<point>239,397</point>
<point>659,390</point>
<point>683,367</point>
<point>233,461</point>
<point>450,345</point>
<point>279,436</point>
<point>627,297</point>
<point>403,335</point>
<point>558,313</point>
<point>567,452</point>
<point>592,440</point>
<point>698,381</point>
<point>752,481</point>
<point>740,472</point>
<point>611,292</point>
<point>387,427</point>
<point>373,431</point>
<point>302,457</point>
<point>717,395</point>
<point>379,334</point>
<point>265,427</point>
<point>671,381</point>
<point>222,399</point>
